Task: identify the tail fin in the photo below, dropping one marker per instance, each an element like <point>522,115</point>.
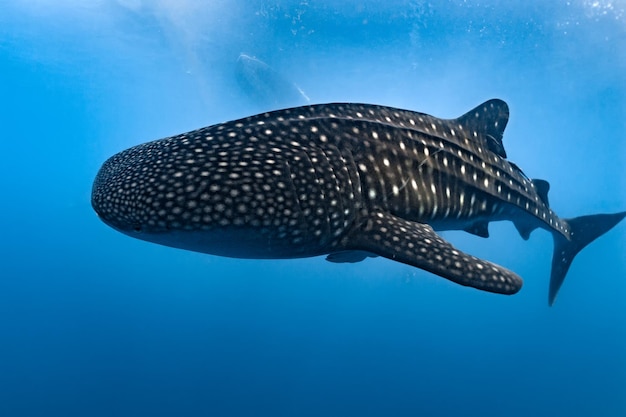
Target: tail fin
<point>583,231</point>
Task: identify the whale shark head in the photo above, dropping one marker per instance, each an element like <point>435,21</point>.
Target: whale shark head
<point>212,189</point>
<point>121,193</point>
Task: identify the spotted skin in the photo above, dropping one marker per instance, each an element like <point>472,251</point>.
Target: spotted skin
<point>348,180</point>
<point>417,244</point>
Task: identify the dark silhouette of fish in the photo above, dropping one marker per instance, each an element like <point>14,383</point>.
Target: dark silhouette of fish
<point>265,86</point>
<point>346,180</point>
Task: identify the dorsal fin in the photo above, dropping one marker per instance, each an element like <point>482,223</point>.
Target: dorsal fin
<point>488,120</point>
<point>542,187</point>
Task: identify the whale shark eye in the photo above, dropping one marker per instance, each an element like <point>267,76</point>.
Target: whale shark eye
<point>137,228</point>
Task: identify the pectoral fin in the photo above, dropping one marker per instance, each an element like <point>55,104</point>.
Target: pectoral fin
<point>418,245</point>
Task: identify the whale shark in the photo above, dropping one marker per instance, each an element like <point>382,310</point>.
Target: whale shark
<point>345,180</point>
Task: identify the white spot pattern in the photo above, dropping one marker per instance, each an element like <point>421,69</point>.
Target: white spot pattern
<point>300,179</point>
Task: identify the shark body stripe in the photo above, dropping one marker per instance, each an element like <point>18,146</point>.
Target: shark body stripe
<point>343,179</point>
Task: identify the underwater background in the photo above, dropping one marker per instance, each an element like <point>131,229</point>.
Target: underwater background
<point>93,323</point>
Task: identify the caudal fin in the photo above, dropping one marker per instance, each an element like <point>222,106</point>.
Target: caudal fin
<point>583,231</point>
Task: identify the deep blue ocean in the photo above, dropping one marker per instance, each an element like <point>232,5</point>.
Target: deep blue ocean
<point>94,323</point>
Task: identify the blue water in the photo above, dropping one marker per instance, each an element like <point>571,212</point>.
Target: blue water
<point>94,323</point>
